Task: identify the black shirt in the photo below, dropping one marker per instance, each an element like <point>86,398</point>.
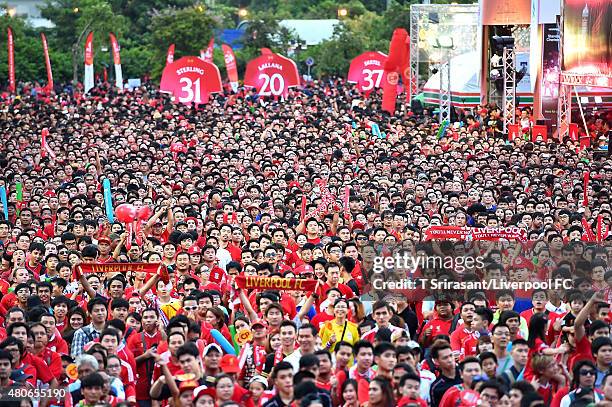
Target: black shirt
<point>441,385</point>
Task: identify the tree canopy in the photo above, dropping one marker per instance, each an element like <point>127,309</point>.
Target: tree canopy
<point>146,28</point>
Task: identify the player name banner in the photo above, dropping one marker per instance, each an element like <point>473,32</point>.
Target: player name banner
<point>275,283</point>
<point>191,80</point>
<point>467,233</point>
<point>149,268</point>
<point>367,70</point>
<point>272,75</point>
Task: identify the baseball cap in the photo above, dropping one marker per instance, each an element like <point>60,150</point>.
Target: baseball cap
<point>203,390</point>
<point>212,346</point>
<point>229,364</point>
<point>259,322</point>
<point>104,239</point>
<point>188,385</point>
<point>304,269</point>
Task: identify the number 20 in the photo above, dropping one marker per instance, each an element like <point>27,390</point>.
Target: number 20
<point>275,84</point>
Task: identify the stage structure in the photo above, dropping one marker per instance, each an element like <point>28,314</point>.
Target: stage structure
<point>586,55</point>
<point>432,25</point>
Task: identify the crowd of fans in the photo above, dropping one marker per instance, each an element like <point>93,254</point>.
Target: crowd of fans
<point>251,187</point>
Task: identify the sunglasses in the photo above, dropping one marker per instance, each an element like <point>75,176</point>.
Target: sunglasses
<point>587,373</point>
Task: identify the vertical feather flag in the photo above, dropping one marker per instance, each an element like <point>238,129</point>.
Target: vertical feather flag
<point>117,61</point>
<point>208,54</point>
<point>230,65</point>
<point>398,53</point>
<point>11,60</point>
<point>47,62</point>
<point>44,147</point>
<point>89,68</point>
<point>170,55</point>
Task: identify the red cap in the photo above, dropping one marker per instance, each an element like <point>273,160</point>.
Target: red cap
<point>259,322</point>
<point>229,364</point>
<point>304,269</point>
<point>358,225</point>
<point>193,250</point>
<point>105,239</point>
<point>204,390</point>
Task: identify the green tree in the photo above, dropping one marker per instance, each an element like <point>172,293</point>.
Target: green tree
<point>188,29</point>
<point>334,56</point>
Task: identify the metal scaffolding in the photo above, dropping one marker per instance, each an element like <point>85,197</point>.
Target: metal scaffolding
<point>564,107</point>
<point>509,63</point>
<point>414,54</point>
<point>445,89</point>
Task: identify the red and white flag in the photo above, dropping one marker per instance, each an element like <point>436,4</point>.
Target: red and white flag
<point>170,55</point>
<point>117,61</point>
<point>207,55</point>
<point>89,68</point>
<point>47,62</point>
<point>230,66</point>
<point>11,60</point>
<point>44,146</point>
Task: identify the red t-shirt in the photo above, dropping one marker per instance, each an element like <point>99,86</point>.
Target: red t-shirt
<point>53,361</point>
<point>58,344</point>
<point>41,370</point>
<point>438,327</point>
<point>137,344</point>
<point>320,319</point>
<point>582,352</point>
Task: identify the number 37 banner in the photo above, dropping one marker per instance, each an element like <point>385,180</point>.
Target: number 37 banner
<point>191,80</point>
<point>367,71</point>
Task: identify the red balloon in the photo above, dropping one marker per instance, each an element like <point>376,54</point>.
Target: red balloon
<point>125,213</point>
<point>144,213</point>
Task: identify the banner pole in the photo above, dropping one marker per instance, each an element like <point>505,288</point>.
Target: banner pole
<point>586,129</point>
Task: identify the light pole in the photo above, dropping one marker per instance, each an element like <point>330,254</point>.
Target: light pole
<point>445,44</point>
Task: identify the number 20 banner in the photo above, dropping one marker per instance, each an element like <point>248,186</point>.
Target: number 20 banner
<point>367,71</point>
<point>271,75</point>
<point>191,80</point>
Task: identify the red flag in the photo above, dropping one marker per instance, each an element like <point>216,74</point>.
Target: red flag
<point>11,60</point>
<point>230,65</point>
<point>600,227</point>
<point>44,147</point>
<point>513,131</point>
<point>303,208</point>
<point>117,61</point>
<point>398,53</point>
<point>208,55</point>
<point>47,62</point>
<point>585,189</point>
<point>170,55</point>
<point>89,69</point>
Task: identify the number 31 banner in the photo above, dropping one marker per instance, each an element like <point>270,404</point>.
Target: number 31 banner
<point>191,80</point>
<point>271,74</point>
<point>367,70</point>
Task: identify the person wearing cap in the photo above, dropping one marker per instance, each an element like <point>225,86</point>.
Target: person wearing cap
<point>204,396</point>
<point>230,367</point>
<point>212,358</point>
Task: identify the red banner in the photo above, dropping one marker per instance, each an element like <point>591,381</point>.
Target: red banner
<point>467,233</point>
<point>230,63</point>
<point>208,55</point>
<point>586,178</point>
<point>47,62</point>
<point>115,46</point>
<point>191,80</point>
<point>398,53</point>
<point>170,55</point>
<point>117,61</point>
<point>89,69</point>
<point>513,131</point>
<point>11,60</point>
<point>271,74</point>
<point>539,131</point>
<point>368,71</point>
<point>44,147</point>
<point>275,283</point>
<point>149,268</point>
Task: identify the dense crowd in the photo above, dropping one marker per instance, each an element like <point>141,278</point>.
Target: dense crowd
<point>304,189</point>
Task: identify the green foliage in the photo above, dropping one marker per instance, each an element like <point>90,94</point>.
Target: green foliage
<point>145,29</point>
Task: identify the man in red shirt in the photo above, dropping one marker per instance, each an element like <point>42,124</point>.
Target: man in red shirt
<point>440,324</point>
<point>144,348</point>
<point>463,331</point>
<point>469,368</point>
<point>539,298</point>
<point>51,358</point>
<point>333,281</point>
